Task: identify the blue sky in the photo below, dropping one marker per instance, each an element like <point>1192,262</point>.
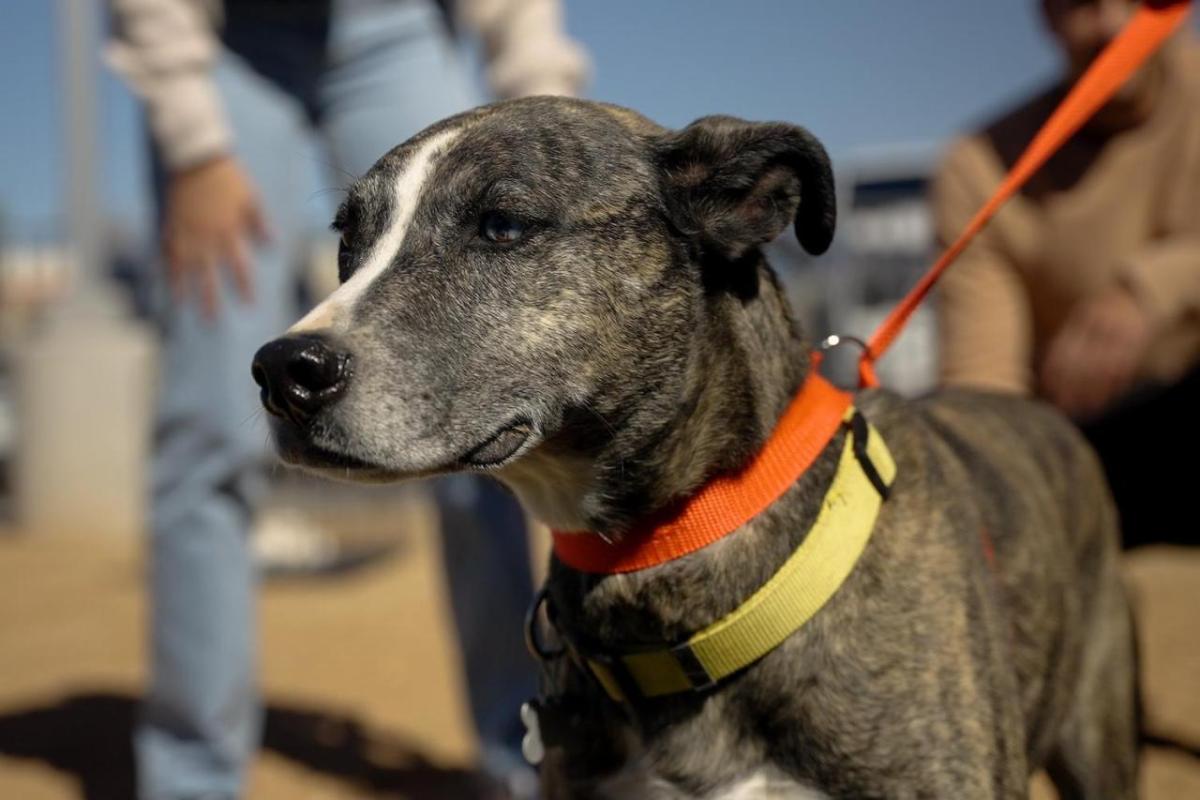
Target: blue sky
<point>858,73</point>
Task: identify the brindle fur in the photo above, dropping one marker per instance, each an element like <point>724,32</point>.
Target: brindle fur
<point>642,336</point>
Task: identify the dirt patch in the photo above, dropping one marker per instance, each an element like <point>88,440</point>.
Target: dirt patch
<point>363,693</point>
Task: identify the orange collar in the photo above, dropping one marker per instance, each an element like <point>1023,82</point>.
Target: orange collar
<point>725,503</point>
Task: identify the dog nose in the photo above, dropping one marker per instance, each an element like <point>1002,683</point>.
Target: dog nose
<point>299,376</point>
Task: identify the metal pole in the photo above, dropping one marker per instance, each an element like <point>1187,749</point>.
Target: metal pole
<point>78,43</point>
<point>84,377</point>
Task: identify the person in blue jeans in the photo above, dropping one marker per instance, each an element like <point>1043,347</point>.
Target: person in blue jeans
<point>231,94</point>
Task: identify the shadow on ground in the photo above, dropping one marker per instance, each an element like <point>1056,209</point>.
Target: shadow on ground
<point>87,735</point>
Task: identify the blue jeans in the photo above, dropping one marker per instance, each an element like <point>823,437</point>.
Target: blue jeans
<point>389,70</point>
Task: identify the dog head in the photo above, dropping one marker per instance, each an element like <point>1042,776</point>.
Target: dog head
<point>529,285</point>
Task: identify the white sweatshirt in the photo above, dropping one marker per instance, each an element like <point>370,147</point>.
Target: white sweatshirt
<point>165,49</point>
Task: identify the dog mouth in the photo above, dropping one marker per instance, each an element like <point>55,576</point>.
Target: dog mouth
<point>296,447</point>
<point>502,446</point>
<point>299,451</point>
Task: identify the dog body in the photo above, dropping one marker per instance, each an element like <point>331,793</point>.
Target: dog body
<point>572,298</point>
<point>929,673</point>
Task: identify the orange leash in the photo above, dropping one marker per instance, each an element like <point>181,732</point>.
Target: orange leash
<point>1146,32</point>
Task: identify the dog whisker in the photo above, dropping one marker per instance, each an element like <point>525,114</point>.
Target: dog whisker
<point>592,410</point>
<point>328,190</point>
<point>254,416</point>
<point>332,167</point>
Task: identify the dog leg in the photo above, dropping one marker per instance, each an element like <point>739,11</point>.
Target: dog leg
<point>1097,751</point>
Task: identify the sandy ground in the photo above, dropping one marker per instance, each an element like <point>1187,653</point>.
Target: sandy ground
<point>360,677</point>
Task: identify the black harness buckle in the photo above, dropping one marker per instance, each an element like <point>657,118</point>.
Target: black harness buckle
<point>860,431</point>
<point>696,674</point>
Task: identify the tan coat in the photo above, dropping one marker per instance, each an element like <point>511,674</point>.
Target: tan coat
<point>164,49</point>
<point>1130,216</point>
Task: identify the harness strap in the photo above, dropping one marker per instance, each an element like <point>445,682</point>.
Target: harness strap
<point>792,596</point>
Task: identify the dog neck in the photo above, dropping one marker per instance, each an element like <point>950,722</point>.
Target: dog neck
<point>741,373</point>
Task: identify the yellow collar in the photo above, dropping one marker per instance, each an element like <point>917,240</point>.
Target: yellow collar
<point>781,606</point>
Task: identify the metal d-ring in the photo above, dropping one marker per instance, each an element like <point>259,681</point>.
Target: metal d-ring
<point>532,641</point>
<point>837,340</point>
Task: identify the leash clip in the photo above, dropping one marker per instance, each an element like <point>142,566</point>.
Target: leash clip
<point>867,379</point>
<point>837,340</point>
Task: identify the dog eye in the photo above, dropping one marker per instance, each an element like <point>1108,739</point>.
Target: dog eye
<point>344,259</point>
<point>499,228</point>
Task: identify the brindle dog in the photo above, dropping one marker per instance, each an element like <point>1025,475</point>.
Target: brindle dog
<point>569,297</point>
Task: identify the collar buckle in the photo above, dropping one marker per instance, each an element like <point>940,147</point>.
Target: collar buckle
<point>695,671</point>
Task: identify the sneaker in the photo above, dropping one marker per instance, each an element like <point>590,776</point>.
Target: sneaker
<point>286,542</point>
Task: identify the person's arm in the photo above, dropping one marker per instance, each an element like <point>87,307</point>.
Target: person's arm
<point>985,330</point>
<point>1165,277</point>
<point>1099,352</point>
<point>165,50</point>
<point>526,47</point>
<point>1165,274</point>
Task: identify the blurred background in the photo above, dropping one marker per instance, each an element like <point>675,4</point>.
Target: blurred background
<point>882,86</point>
<point>363,695</point>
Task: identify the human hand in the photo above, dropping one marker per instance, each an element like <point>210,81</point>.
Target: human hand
<point>212,216</point>
<point>1095,356</point>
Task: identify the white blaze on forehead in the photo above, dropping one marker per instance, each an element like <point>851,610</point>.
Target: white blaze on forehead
<point>409,186</point>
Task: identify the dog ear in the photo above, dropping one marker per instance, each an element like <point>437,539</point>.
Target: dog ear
<point>735,185</point>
